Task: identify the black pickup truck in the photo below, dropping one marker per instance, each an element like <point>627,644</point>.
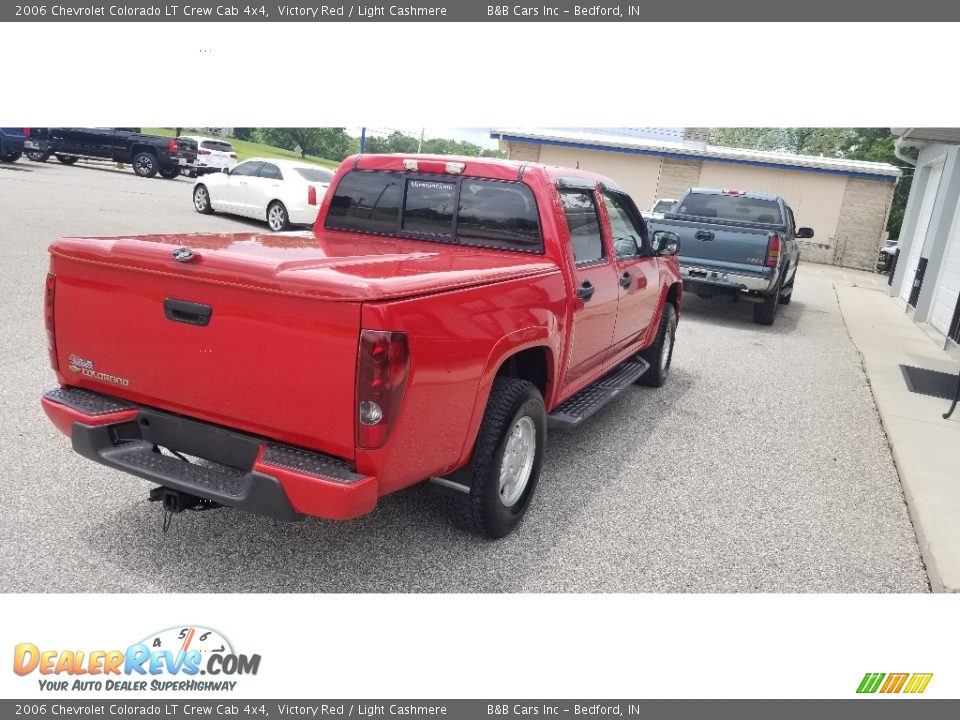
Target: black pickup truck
<point>147,154</point>
<point>736,243</point>
<point>11,144</point>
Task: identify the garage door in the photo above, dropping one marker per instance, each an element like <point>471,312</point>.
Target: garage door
<point>948,284</point>
<point>920,233</point>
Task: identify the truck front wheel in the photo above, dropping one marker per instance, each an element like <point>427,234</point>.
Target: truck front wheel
<point>660,354</point>
<point>505,466</point>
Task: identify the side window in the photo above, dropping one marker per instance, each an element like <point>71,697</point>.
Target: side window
<point>580,209</point>
<point>627,229</point>
<point>271,172</point>
<point>247,169</point>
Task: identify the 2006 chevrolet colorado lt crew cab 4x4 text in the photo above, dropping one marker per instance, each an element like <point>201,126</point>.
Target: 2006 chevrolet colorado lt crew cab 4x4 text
<point>440,316</point>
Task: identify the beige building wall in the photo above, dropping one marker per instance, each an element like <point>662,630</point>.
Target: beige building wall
<point>863,220</point>
<point>638,174</point>
<point>678,176</point>
<point>816,198</point>
<point>848,215</point>
<point>521,151</point>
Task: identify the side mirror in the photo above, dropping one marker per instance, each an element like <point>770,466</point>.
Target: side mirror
<point>804,233</point>
<point>666,242</point>
<point>225,170</point>
<point>626,246</point>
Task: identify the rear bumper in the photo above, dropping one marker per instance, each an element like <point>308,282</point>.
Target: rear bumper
<point>228,467</point>
<point>720,280</point>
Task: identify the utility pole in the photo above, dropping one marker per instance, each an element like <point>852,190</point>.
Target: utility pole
<point>420,144</point>
<point>363,139</point>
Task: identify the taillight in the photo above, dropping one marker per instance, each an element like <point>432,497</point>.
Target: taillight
<point>26,132</point>
<point>383,364</point>
<point>173,146</point>
<point>48,294</point>
<point>201,151</point>
<point>233,156</point>
<point>311,195</point>
<point>773,250</point>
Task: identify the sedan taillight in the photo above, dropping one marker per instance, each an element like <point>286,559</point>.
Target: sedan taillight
<point>311,195</point>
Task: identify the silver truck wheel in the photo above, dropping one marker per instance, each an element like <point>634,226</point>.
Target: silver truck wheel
<point>503,471</point>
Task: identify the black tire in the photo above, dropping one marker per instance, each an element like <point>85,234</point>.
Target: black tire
<point>145,164</point>
<point>660,354</point>
<point>483,511</point>
<point>169,173</point>
<point>765,313</point>
<point>785,299</point>
<point>37,156</point>
<point>201,200</point>
<point>277,217</point>
<point>11,156</point>
<point>67,159</point>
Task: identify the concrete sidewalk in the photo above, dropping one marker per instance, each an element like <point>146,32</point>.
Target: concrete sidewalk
<point>926,448</point>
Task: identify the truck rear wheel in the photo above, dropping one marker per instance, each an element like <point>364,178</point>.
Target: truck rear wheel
<point>67,159</point>
<point>170,173</point>
<point>505,466</point>
<point>145,164</point>
<point>660,354</point>
<point>765,312</point>
<point>37,156</point>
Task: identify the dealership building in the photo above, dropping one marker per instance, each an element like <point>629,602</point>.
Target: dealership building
<point>927,276</point>
<point>846,202</point>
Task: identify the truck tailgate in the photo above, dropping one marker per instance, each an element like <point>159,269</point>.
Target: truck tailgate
<point>271,359</point>
<point>719,245</point>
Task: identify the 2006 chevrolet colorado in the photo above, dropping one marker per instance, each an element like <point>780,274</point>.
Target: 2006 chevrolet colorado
<point>441,315</point>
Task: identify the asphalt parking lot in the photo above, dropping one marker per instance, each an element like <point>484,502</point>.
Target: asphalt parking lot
<point>760,466</point>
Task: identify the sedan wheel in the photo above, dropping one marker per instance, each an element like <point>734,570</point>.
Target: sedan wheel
<point>201,200</point>
<point>277,217</point>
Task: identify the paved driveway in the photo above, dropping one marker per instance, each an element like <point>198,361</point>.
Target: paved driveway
<point>760,466</point>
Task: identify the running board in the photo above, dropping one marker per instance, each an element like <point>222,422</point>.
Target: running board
<point>585,403</point>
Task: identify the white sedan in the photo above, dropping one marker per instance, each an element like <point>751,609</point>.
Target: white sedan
<point>281,192</point>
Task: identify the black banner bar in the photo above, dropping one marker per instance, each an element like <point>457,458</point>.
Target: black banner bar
<point>489,11</point>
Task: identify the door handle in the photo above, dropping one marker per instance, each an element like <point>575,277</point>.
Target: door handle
<point>626,280</point>
<point>187,312</point>
<point>585,291</point>
<point>704,235</point>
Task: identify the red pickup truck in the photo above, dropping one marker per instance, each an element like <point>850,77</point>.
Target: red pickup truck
<point>442,314</point>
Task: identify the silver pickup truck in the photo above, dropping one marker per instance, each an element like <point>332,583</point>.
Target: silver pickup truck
<point>736,243</point>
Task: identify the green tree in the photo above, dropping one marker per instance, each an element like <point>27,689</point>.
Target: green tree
<point>330,142</point>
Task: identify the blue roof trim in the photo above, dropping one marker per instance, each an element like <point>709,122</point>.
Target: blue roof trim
<point>694,156</point>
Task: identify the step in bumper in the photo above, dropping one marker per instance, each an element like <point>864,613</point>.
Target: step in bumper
<point>228,467</point>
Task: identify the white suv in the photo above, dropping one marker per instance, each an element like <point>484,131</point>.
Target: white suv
<point>212,156</point>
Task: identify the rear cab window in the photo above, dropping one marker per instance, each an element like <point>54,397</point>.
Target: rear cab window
<point>463,210</point>
<point>733,208</point>
<point>315,175</point>
<point>217,146</point>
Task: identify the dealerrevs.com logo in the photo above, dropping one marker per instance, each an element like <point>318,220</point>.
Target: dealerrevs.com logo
<point>892,683</point>
<point>178,659</point>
